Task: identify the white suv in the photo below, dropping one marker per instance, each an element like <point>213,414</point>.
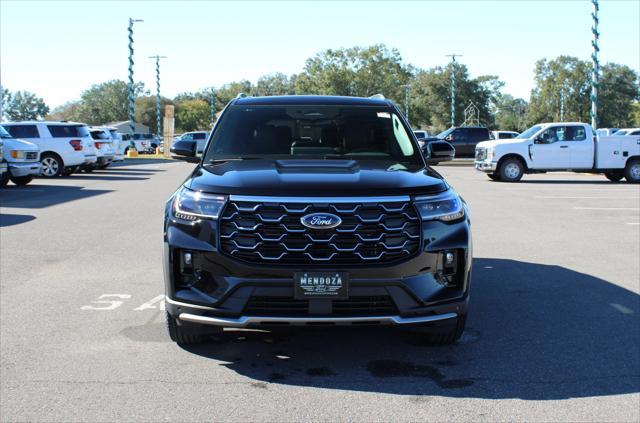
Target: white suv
<point>64,146</point>
<point>200,137</point>
<point>103,142</point>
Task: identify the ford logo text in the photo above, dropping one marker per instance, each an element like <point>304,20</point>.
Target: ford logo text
<point>320,221</point>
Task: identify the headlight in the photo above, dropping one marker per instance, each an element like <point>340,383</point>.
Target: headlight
<point>194,205</point>
<point>445,207</point>
<point>17,154</point>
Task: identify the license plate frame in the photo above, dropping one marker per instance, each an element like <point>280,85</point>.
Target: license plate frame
<point>321,285</point>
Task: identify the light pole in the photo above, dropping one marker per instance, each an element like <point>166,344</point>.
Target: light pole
<point>158,111</point>
<point>453,87</point>
<point>595,72</point>
<point>406,102</point>
<point>212,105</point>
<point>131,95</point>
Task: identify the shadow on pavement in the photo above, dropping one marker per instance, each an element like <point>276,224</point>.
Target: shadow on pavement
<point>570,182</point>
<point>535,332</point>
<point>14,219</point>
<point>41,196</point>
<point>106,177</point>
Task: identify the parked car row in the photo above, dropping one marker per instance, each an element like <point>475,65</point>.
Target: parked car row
<point>58,148</point>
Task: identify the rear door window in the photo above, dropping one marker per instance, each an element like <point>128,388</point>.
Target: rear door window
<point>199,136</point>
<point>23,131</point>
<point>68,131</point>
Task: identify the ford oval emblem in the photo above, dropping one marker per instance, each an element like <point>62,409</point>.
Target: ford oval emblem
<point>320,221</point>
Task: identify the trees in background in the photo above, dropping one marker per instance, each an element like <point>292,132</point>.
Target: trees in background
<point>23,105</point>
<point>145,111</point>
<point>571,76</point>
<point>364,71</point>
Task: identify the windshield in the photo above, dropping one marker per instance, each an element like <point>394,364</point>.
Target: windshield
<point>529,132</point>
<point>444,133</point>
<point>304,132</point>
<point>4,133</point>
<point>621,132</point>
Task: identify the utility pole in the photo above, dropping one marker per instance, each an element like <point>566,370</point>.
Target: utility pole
<point>406,102</point>
<point>562,104</point>
<point>158,111</point>
<point>131,94</point>
<point>595,72</point>
<point>453,87</point>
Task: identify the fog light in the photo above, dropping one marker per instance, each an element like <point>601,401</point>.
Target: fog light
<point>448,259</point>
<point>187,259</point>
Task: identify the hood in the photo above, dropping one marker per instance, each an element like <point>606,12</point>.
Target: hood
<point>18,144</point>
<point>495,143</point>
<point>314,178</point>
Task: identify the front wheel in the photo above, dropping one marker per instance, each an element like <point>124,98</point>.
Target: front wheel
<point>52,165</point>
<point>493,176</point>
<point>188,334</point>
<point>446,336</point>
<point>4,179</point>
<point>632,171</point>
<point>511,170</point>
<point>614,176</point>
<point>21,180</point>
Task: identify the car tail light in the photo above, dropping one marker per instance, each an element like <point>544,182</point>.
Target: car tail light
<point>98,145</point>
<point>76,144</point>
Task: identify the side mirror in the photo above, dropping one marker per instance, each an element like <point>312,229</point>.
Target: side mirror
<point>185,150</point>
<point>438,151</point>
<point>539,140</point>
<point>449,138</point>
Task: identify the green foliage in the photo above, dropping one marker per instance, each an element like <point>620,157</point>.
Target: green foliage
<point>107,102</point>
<point>192,115</point>
<point>511,113</point>
<point>635,115</point>
<point>145,111</point>
<point>619,91</point>
<point>357,71</point>
<point>69,111</point>
<point>23,105</point>
<point>274,84</point>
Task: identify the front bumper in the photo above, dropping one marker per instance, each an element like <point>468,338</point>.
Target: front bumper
<point>485,166</point>
<point>223,291</point>
<point>24,169</point>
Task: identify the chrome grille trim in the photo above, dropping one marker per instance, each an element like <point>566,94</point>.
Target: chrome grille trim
<point>268,229</point>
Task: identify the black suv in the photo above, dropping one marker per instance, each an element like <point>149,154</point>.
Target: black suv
<point>464,138</point>
<point>314,210</point>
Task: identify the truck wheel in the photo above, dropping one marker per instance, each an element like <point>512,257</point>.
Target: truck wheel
<point>632,171</point>
<point>188,334</point>
<point>511,170</point>
<point>614,176</point>
<point>52,165</point>
<point>4,179</point>
<point>21,180</point>
<point>447,337</point>
<point>493,176</point>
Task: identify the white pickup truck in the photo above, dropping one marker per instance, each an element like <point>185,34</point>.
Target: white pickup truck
<point>560,146</point>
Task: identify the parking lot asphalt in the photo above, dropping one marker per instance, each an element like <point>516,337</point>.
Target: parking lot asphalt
<point>553,332</point>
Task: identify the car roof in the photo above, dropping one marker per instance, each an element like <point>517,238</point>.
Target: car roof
<point>43,122</point>
<point>312,100</point>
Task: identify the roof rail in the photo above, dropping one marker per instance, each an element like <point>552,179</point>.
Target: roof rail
<point>241,95</point>
<point>377,97</point>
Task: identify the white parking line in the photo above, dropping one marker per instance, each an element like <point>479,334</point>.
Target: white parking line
<point>561,197</point>
<point>633,223</point>
<point>607,208</point>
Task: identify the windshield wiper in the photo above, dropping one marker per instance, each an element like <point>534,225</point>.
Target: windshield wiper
<point>231,159</point>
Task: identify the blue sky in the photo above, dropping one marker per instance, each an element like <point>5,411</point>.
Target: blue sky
<point>57,49</point>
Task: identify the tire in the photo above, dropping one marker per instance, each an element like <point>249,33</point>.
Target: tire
<point>104,166</point>
<point>187,334</point>
<point>447,337</point>
<point>493,176</point>
<point>632,171</point>
<point>511,170</point>
<point>21,180</point>
<point>52,165</point>
<point>68,171</point>
<point>614,176</point>
<point>89,169</point>
<point>4,179</point>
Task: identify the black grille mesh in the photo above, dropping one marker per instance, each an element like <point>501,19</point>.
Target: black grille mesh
<point>272,233</point>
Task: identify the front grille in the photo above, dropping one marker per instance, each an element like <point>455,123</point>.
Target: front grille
<point>374,305</point>
<point>481,153</point>
<point>260,232</point>
<point>31,155</point>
